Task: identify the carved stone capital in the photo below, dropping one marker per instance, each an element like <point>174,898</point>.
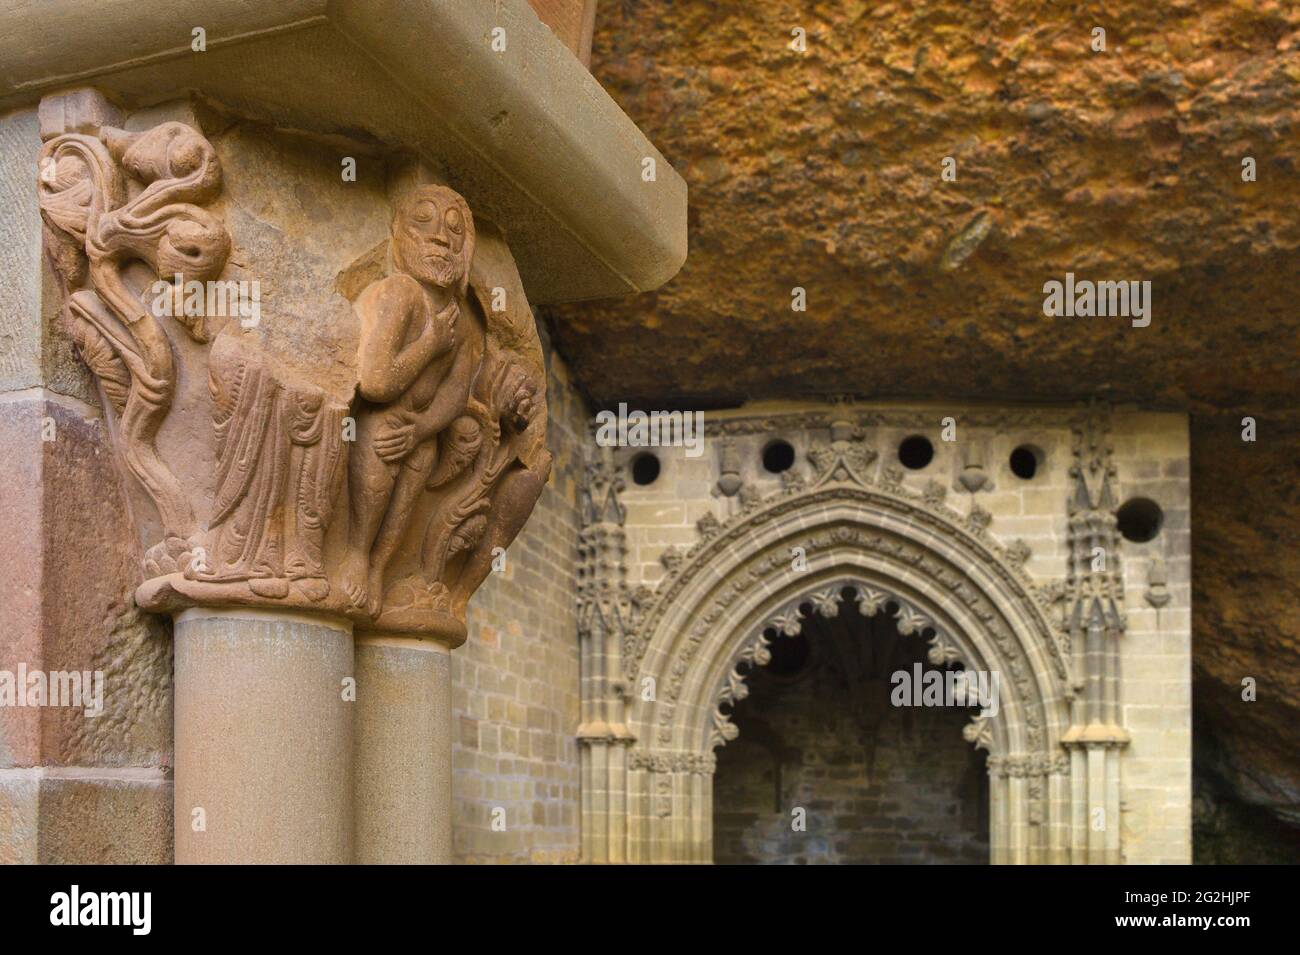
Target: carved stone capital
<point>336,415</point>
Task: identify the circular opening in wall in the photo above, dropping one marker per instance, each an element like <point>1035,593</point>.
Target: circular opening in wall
<point>778,456</point>
<point>645,468</point>
<point>1140,519</point>
<point>915,452</point>
<point>1025,461</point>
<point>789,655</point>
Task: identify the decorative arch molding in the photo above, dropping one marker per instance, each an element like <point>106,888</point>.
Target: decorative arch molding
<point>669,671</point>
<point>825,602</point>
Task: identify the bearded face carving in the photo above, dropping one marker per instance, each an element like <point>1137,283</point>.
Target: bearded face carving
<point>433,238</point>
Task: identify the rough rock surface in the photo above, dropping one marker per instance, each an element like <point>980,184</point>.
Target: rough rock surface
<point>822,170</point>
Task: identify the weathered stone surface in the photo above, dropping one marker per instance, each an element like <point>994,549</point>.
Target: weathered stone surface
<point>85,817</point>
<point>403,743</point>
<point>263,738</point>
<point>19,818</point>
<point>287,447</point>
<point>20,569</point>
<point>1246,555</point>
<point>822,170</point>
<point>34,350</point>
<point>68,575</point>
<point>110,820</point>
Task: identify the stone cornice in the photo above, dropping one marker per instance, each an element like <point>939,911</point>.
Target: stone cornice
<point>525,133</point>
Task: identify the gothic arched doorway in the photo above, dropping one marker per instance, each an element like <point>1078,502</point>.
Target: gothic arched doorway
<point>664,666</point>
<point>827,770</point>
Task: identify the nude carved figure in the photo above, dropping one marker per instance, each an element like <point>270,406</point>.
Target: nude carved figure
<point>417,364</point>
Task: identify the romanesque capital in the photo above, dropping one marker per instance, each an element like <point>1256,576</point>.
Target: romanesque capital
<point>362,447</point>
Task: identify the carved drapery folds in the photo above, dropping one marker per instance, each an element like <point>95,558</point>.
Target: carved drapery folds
<point>271,478</point>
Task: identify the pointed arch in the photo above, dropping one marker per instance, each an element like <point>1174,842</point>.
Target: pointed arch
<point>946,581</point>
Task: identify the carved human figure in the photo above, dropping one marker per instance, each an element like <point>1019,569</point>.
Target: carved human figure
<point>417,360</point>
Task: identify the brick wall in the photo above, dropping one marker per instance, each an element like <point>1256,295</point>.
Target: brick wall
<point>515,681</point>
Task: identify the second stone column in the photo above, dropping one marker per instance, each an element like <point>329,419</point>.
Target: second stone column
<point>403,750</point>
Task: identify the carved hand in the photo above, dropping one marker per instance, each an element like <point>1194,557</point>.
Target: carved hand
<point>442,328</point>
<point>395,439</point>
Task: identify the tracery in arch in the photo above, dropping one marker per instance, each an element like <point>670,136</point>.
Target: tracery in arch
<point>825,602</point>
<point>937,565</point>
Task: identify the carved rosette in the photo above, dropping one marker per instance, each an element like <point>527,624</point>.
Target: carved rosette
<point>372,463</point>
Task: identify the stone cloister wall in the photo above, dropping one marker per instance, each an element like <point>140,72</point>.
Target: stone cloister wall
<point>1129,746</point>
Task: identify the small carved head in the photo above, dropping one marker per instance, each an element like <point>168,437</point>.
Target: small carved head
<point>433,237</point>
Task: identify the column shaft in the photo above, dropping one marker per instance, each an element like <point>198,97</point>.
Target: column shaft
<point>263,738</point>
<point>403,750</point>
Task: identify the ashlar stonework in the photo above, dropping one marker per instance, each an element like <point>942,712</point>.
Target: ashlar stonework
<point>689,579</point>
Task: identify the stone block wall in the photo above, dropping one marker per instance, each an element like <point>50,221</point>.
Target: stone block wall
<point>515,681</point>
<point>1150,454</point>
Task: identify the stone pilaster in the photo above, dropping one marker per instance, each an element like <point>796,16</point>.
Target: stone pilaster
<point>1095,594</point>
<point>606,614</point>
<point>68,771</point>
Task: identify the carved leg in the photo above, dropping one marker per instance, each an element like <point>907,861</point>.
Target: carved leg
<point>370,485</point>
<point>410,483</point>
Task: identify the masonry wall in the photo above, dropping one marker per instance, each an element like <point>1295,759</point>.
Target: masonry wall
<point>1150,455</point>
<point>874,783</point>
<point>515,681</point>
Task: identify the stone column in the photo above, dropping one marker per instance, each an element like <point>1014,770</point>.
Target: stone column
<point>263,737</point>
<point>403,750</point>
